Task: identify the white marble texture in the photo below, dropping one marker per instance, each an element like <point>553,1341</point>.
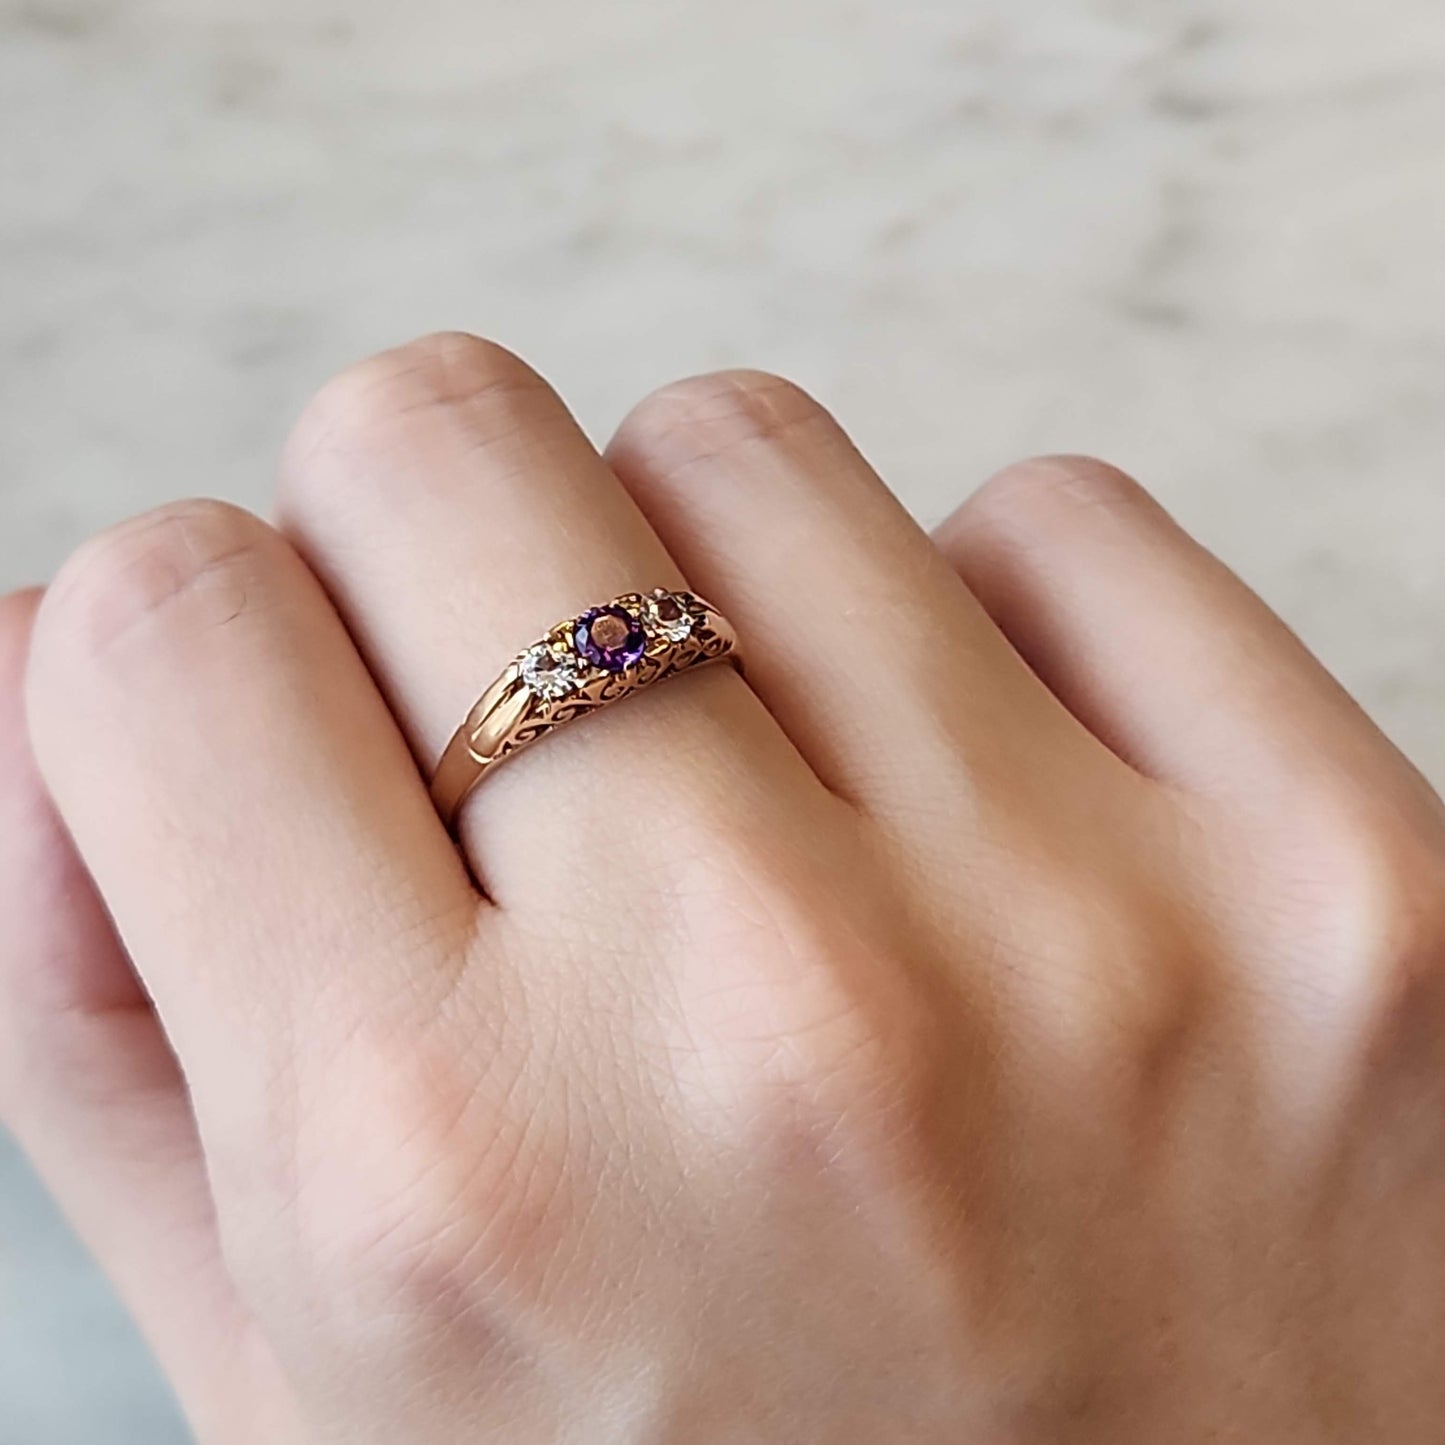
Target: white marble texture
<point>1201,237</point>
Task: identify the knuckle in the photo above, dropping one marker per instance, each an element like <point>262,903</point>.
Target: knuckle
<point>374,407</point>
<point>1371,889</point>
<point>795,1034</point>
<point>193,566</point>
<point>715,416</point>
<point>1045,491</point>
<point>1395,911</point>
<point>1112,982</point>
<point>437,1178</point>
<point>1141,1013</point>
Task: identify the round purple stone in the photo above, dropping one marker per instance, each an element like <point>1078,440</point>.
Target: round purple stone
<point>610,638</point>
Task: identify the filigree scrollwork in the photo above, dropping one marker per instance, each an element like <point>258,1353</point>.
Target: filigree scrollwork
<point>708,638</point>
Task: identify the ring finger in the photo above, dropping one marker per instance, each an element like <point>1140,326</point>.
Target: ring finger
<point>455,512</point>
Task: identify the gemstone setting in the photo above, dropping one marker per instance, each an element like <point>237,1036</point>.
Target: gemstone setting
<point>549,672</point>
<point>665,615</point>
<point>610,638</point>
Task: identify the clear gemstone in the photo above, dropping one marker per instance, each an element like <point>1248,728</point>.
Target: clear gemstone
<point>666,616</point>
<point>548,671</point>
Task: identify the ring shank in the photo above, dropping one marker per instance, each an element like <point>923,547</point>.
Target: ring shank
<point>457,774</point>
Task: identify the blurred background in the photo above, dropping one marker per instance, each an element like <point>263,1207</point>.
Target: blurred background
<point>1202,238</point>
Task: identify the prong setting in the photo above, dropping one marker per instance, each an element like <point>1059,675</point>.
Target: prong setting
<point>665,615</point>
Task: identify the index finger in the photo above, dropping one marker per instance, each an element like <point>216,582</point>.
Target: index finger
<point>240,793</point>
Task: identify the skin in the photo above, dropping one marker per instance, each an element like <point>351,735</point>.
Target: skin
<point>1013,1014</point>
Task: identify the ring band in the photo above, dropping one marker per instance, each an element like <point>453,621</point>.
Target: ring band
<point>585,663</point>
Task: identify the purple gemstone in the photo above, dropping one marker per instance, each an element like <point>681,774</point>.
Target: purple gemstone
<point>610,638</point>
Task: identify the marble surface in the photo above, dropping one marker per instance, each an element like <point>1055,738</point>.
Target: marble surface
<point>1200,237</point>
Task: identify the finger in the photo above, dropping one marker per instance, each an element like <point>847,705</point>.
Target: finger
<point>244,802</point>
<point>1156,645</point>
<point>456,512</point>
<point>882,667</point>
<point>89,1087</point>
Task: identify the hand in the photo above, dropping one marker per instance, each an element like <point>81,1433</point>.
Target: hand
<point>1013,1014</point>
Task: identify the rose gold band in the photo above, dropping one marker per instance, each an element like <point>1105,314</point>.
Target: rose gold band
<point>583,664</point>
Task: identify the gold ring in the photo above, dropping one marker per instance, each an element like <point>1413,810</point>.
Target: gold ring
<point>583,664</point>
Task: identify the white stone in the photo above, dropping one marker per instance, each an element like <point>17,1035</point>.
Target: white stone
<point>549,672</point>
<point>670,629</point>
